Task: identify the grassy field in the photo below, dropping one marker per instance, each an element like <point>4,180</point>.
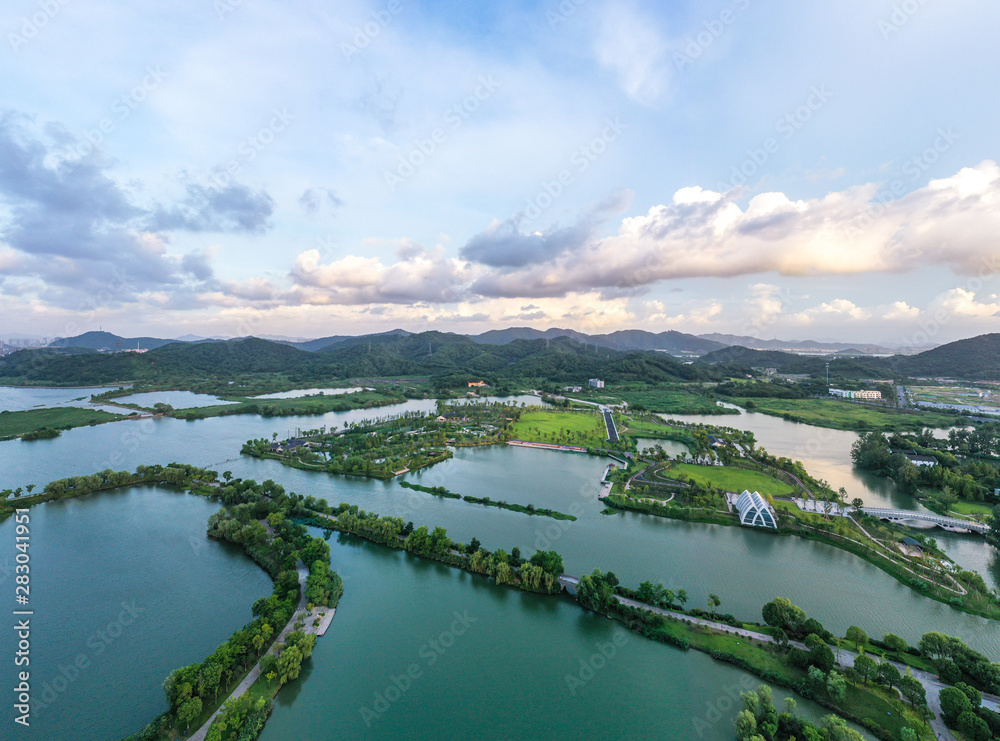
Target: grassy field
<point>731,479</point>
<point>284,407</point>
<point>845,415</point>
<point>15,424</point>
<point>565,428</point>
<point>972,508</point>
<point>669,400</point>
<point>955,395</point>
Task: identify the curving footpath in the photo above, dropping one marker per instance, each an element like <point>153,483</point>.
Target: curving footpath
<point>301,613</point>
<point>931,684</point>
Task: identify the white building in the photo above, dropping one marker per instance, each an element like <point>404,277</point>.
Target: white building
<point>856,394</point>
<point>596,383</point>
<point>754,510</point>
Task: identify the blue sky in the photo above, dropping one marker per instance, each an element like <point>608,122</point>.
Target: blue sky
<point>232,167</point>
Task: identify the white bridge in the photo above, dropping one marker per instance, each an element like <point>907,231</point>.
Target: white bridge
<point>948,523</point>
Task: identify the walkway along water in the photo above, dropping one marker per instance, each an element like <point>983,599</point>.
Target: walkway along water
<point>931,684</point>
<point>322,614</point>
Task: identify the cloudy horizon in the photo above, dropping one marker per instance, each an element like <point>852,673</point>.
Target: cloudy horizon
<point>231,167</point>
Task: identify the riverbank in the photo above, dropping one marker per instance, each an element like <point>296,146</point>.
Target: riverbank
<point>30,422</point>
<point>934,584</point>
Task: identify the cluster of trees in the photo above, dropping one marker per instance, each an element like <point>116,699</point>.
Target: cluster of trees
<point>962,709</point>
<point>191,689</point>
<point>760,390</point>
<point>323,585</point>
<point>179,474</point>
<point>956,660</point>
<point>242,718</point>
<point>955,479</point>
<point>657,594</point>
<point>596,591</point>
<point>791,621</point>
<point>538,574</point>
<point>759,720</point>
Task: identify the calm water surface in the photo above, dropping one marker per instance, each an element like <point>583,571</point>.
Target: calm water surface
<point>19,398</point>
<point>148,545</point>
<point>127,584</point>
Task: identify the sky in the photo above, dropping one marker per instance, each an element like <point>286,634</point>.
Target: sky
<point>304,169</point>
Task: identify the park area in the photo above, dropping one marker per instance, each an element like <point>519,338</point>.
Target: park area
<point>31,421</point>
<point>583,428</point>
<point>728,479</point>
<point>846,415</point>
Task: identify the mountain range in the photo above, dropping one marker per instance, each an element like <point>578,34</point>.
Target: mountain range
<point>673,342</point>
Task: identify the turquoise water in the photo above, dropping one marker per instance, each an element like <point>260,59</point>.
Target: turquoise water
<point>127,586</point>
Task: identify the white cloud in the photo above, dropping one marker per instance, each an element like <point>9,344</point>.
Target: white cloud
<point>629,43</point>
<point>951,222</point>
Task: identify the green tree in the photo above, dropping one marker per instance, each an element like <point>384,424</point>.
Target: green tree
<point>836,686</point>
<point>954,702</point>
<point>289,664</point>
<point>866,667</point>
<point>190,710</point>
<point>888,674</point>
<point>713,603</point>
<point>746,725</point>
<point>973,727</point>
<point>682,597</point>
<point>857,636</point>
<point>912,690</point>
<point>894,643</point>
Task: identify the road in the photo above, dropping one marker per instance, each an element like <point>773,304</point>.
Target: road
<point>609,422</point>
<point>932,686</point>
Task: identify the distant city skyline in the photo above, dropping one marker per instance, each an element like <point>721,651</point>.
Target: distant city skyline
<point>282,169</point>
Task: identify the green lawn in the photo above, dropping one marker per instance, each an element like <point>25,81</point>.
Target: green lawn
<point>732,479</point>
<point>845,415</point>
<point>669,399</point>
<point>972,508</point>
<point>296,406</point>
<point>584,428</point>
<point>14,424</point>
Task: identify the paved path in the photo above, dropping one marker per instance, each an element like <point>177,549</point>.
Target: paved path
<point>932,686</point>
<point>300,614</point>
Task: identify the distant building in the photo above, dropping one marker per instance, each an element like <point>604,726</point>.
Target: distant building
<point>865,394</point>
<point>596,383</point>
<point>477,383</point>
<point>754,510</point>
<point>923,461</point>
<point>573,389</point>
